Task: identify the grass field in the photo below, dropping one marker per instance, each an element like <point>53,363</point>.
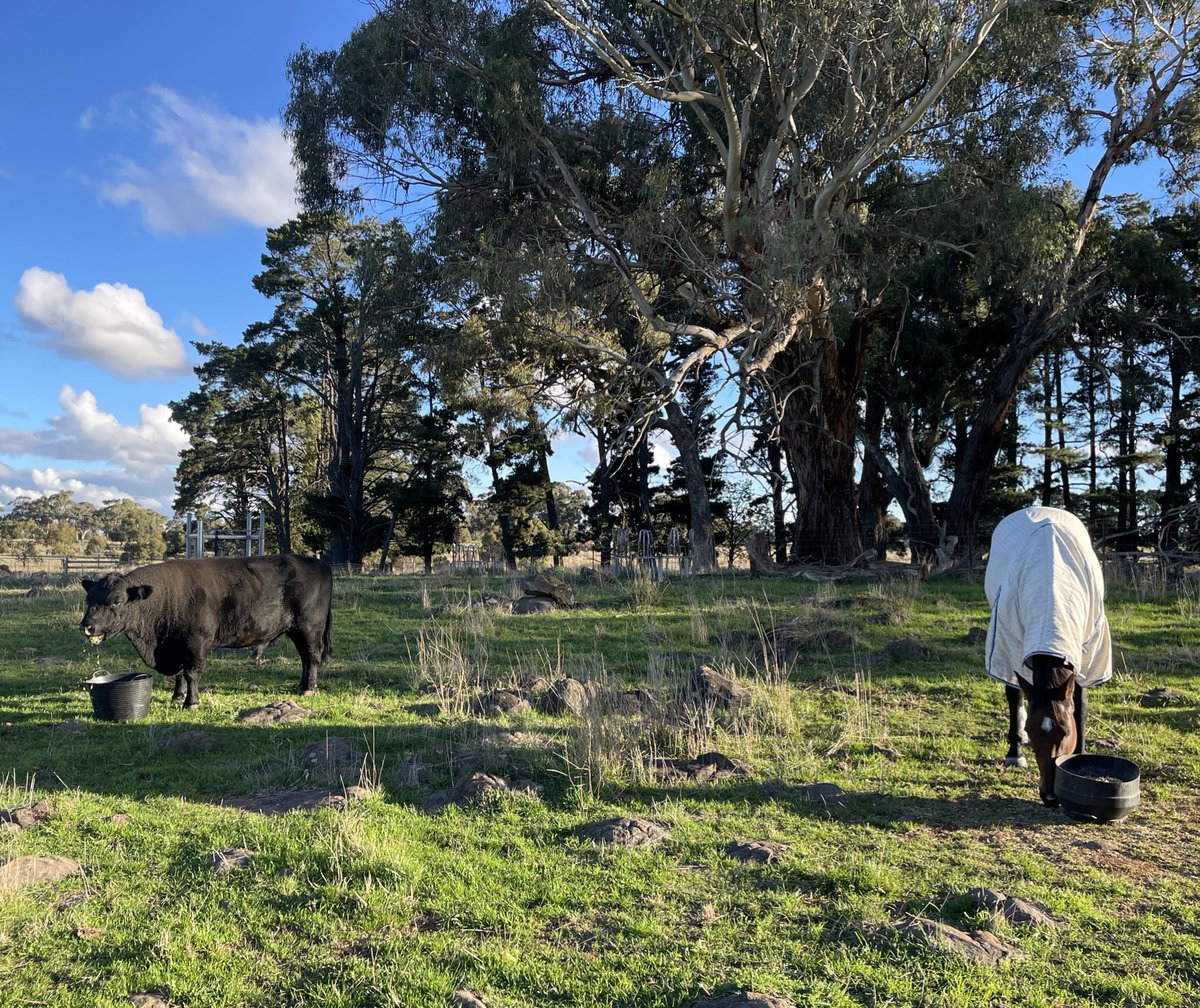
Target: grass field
<point>395,900</point>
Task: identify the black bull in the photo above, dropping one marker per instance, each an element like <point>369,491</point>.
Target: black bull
<point>174,613</point>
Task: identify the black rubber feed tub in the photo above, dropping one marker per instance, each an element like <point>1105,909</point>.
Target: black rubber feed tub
<point>1096,788</point>
<point>123,697</point>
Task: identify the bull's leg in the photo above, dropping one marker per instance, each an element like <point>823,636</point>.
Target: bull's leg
<point>193,669</point>
<point>309,647</point>
<point>192,678</point>
<point>1081,707</point>
<point>1016,727</point>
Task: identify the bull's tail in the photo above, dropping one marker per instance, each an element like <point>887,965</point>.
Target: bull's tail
<point>327,637</point>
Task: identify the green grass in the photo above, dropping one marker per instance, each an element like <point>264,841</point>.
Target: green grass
<point>384,903</point>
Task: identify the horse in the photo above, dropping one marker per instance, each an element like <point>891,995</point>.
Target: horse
<point>1048,637</point>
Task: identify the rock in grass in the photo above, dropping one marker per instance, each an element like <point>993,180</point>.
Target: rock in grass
<point>624,831</point>
<point>758,851</point>
<point>903,650</point>
<point>333,757</point>
<point>742,999</point>
<point>464,998</point>
<point>546,586</point>
<point>1163,696</point>
<point>978,946</point>
<point>498,702</point>
<point>279,712</point>
<point>568,695</point>
<point>709,688</point>
<point>638,702</point>
<point>1012,908</point>
<point>710,766</point>
<point>32,869</point>
<point>479,787</point>
<point>229,860</point>
<point>26,816</point>
<point>148,999</point>
<point>528,605</point>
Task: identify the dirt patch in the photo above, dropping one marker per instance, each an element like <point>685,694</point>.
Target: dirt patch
<point>190,742</point>
<point>742,999</point>
<point>815,794</point>
<point>279,802</point>
<point>333,759</point>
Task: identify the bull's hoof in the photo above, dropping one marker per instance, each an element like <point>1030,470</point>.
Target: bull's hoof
<point>191,706</point>
<point>309,692</point>
<point>1050,801</point>
<point>1017,761</point>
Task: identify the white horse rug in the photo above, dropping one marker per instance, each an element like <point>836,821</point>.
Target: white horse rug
<point>1046,593</point>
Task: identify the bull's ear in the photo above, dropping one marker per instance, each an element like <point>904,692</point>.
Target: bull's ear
<point>138,592</point>
<point>87,584</point>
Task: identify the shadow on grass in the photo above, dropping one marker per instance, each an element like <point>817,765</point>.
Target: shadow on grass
<point>51,737</point>
<point>870,808</point>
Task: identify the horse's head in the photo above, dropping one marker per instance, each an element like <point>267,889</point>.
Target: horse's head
<point>1051,722</point>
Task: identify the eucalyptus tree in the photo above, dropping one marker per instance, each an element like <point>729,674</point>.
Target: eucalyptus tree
<point>713,156</point>
<point>31,514</point>
<point>944,319</point>
<point>1139,98</point>
<point>138,530</point>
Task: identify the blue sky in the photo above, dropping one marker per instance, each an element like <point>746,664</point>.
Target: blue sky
<point>143,163</point>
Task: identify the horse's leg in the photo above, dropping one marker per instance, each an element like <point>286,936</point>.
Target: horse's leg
<point>1081,706</point>
<point>1016,727</point>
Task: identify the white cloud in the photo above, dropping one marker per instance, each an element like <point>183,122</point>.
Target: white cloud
<point>104,457</point>
<point>208,166</point>
<point>662,450</point>
<point>111,325</point>
<point>144,450</point>
<point>196,324</point>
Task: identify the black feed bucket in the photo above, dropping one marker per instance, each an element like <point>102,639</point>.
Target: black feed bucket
<point>120,697</point>
<point>1097,788</point>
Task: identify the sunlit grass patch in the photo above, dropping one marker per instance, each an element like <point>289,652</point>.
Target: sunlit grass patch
<point>388,901</point>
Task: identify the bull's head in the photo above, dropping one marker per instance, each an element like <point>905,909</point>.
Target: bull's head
<point>1051,723</point>
<point>104,613</point>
